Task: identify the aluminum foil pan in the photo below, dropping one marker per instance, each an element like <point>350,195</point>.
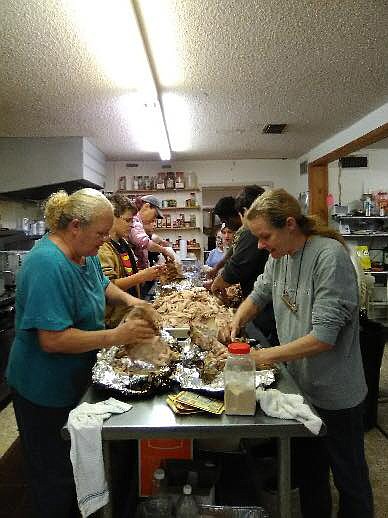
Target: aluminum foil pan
<point>132,377</point>
<point>187,283</point>
<point>188,371</point>
<point>190,379</point>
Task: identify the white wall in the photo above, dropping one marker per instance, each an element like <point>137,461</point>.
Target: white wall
<point>368,123</point>
<point>357,181</point>
<point>282,173</point>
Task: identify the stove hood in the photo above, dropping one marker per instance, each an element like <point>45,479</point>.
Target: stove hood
<point>42,192</point>
<point>33,168</point>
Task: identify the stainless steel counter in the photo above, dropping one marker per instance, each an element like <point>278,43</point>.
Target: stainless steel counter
<point>153,418</point>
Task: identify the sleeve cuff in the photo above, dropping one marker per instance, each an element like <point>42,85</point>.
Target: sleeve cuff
<point>324,334</point>
<point>257,300</point>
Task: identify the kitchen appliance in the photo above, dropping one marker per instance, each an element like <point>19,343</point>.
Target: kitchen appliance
<point>7,334</point>
<point>10,262</point>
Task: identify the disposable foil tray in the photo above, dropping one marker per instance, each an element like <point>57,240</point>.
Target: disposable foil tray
<point>141,379</point>
<point>223,511</point>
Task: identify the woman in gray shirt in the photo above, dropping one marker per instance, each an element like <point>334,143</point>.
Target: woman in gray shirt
<point>312,283</point>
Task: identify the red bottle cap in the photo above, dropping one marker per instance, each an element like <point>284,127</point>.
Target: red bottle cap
<point>239,348</point>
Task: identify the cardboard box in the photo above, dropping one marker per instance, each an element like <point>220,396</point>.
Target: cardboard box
<point>152,453</point>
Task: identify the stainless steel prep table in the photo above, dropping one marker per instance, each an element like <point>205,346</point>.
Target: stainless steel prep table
<point>152,418</point>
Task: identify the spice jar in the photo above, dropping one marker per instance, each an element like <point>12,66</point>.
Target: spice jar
<point>160,181</point>
<point>170,181</point>
<point>239,381</point>
<point>193,220</point>
<point>147,183</point>
<point>193,199</point>
<point>179,180</point>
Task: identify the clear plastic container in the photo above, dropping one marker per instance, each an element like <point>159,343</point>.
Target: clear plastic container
<point>158,482</point>
<point>191,180</point>
<point>187,506</point>
<point>239,381</point>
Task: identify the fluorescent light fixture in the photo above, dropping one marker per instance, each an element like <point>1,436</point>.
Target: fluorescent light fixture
<point>178,121</point>
<point>161,27</point>
<point>111,32</point>
<point>144,120</point>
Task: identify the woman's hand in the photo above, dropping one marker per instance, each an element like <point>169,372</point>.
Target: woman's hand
<point>235,327</point>
<point>154,272</point>
<point>170,256</point>
<point>136,330</point>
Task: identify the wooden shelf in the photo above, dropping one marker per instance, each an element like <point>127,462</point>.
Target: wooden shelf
<point>191,248</point>
<point>176,229</point>
<point>180,208</point>
<point>340,216</point>
<point>159,191</point>
<point>365,235</point>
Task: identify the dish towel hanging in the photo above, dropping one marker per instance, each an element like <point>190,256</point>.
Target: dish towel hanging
<point>288,406</point>
<point>85,423</point>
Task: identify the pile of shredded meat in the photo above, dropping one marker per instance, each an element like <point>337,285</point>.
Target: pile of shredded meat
<point>173,272</point>
<point>156,351</point>
<point>197,308</point>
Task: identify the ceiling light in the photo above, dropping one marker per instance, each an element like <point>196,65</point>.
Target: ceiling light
<point>112,34</point>
<point>178,121</point>
<point>164,49</point>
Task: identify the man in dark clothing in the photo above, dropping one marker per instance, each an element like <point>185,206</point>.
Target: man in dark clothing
<point>246,261</point>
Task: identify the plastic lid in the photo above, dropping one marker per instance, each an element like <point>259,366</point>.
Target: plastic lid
<point>239,348</point>
<point>187,489</point>
<point>159,474</point>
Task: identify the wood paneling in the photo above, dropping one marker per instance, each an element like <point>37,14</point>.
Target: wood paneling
<point>318,191</point>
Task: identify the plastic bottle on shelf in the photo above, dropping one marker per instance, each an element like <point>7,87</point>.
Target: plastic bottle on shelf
<point>191,180</point>
<point>187,506</point>
<point>158,482</point>
<point>160,504</point>
<point>193,220</point>
<point>239,381</point>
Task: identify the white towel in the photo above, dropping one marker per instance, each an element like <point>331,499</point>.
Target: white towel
<point>288,406</point>
<point>85,423</point>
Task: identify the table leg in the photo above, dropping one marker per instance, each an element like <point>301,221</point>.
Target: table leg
<point>284,477</point>
<point>106,511</point>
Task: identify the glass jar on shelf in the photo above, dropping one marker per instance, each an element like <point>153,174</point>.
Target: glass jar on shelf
<point>147,183</point>
<point>122,183</point>
<point>160,181</point>
<point>179,180</point>
<point>193,199</point>
<point>170,180</point>
<point>193,220</point>
<point>191,180</point>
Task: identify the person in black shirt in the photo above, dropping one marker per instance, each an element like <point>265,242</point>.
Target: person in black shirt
<point>246,261</point>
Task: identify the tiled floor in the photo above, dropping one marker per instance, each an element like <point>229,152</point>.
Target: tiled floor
<point>376,443</point>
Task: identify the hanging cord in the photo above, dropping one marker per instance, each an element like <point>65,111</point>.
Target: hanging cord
<point>339,182</point>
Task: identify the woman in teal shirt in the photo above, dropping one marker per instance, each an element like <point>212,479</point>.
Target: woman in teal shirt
<point>60,305</point>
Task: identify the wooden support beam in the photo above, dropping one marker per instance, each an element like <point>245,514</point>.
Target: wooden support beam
<point>355,145</point>
<point>318,191</point>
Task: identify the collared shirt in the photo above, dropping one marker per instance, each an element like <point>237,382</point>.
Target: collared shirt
<point>141,241</point>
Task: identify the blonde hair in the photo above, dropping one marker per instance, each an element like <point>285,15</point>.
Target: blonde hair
<point>277,205</point>
<point>60,208</point>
